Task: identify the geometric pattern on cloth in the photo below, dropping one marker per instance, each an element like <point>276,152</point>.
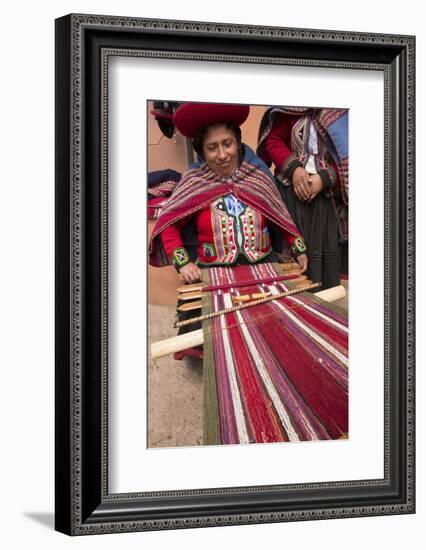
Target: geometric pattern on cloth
<point>273,372</point>
<point>163,189</point>
<point>298,247</point>
<point>180,257</point>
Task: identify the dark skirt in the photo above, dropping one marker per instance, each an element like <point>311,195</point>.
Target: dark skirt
<point>317,223</point>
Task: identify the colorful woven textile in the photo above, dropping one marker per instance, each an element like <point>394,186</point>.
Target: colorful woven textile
<point>273,372</point>
<point>161,184</point>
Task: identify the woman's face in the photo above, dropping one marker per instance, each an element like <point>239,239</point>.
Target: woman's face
<point>220,149</point>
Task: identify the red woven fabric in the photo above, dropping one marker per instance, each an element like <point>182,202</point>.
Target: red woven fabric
<point>281,367</point>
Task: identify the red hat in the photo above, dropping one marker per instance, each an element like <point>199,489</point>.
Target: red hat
<point>191,117</point>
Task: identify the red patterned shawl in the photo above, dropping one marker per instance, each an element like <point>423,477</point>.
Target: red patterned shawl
<point>252,183</point>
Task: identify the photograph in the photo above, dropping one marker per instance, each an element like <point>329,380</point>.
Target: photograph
<point>248,209</point>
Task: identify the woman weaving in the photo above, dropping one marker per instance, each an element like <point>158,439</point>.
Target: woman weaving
<point>271,373</point>
<point>229,194</point>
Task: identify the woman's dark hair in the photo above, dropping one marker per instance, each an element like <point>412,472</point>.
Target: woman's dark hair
<point>198,141</point>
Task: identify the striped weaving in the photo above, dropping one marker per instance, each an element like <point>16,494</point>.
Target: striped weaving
<point>273,372</point>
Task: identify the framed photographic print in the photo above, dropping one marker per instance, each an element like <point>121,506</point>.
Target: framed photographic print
<point>202,187</point>
<point>253,362</point>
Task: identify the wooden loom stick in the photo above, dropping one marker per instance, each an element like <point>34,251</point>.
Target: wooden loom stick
<point>248,297</point>
<point>185,295</point>
<point>190,306</point>
<point>289,276</point>
<point>240,298</point>
<point>179,343</point>
<point>332,294</point>
<point>195,295</point>
<point>289,266</point>
<point>190,295</point>
<point>190,288</point>
<point>329,295</point>
<point>246,305</point>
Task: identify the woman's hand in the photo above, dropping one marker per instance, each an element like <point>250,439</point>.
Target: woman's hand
<point>315,185</point>
<point>302,260</point>
<point>301,186</point>
<point>190,272</point>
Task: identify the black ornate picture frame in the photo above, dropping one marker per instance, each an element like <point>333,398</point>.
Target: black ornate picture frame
<point>84,44</point>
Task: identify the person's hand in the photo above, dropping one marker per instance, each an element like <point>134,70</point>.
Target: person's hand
<point>315,186</point>
<point>300,180</point>
<point>302,260</point>
<point>191,273</point>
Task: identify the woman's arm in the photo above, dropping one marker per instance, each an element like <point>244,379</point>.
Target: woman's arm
<point>173,245</point>
<point>288,166</point>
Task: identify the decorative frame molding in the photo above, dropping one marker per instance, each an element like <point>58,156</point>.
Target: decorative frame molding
<point>84,43</point>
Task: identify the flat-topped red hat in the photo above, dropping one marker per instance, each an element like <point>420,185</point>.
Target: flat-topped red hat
<point>191,117</point>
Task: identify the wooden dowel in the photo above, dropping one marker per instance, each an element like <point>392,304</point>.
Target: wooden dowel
<point>177,343</point>
<point>194,295</point>
<point>203,286</point>
<point>248,297</point>
<point>247,304</point>
<point>195,338</point>
<point>190,306</point>
<point>245,298</point>
<point>190,288</point>
<point>332,294</point>
<point>301,278</point>
<point>290,266</point>
<point>190,295</point>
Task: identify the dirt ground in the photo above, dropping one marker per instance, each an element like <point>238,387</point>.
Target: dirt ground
<point>175,388</point>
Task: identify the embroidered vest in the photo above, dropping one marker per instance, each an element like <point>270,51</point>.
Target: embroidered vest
<point>237,229</point>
